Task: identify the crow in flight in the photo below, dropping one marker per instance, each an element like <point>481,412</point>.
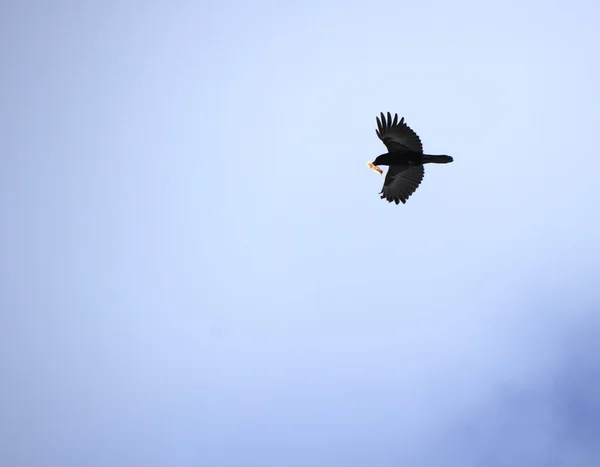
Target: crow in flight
<point>405,159</point>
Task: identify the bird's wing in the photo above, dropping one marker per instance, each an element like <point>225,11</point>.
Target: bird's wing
<point>397,135</point>
<point>401,181</point>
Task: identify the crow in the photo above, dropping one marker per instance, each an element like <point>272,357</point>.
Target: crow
<point>405,159</point>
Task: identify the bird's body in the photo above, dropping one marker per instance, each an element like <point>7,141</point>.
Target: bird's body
<point>410,158</point>
<point>405,159</point>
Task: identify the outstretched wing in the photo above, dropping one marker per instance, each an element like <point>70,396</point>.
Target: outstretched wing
<point>397,135</point>
<point>401,181</point>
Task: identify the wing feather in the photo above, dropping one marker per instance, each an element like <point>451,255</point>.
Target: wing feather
<point>401,181</point>
<point>397,135</point>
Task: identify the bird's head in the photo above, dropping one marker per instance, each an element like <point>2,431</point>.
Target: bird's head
<point>380,160</point>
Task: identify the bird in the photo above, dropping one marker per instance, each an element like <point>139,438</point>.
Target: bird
<point>405,159</point>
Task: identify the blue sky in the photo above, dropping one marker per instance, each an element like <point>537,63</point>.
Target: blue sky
<point>197,268</point>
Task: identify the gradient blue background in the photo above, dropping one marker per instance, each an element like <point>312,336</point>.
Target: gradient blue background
<point>197,270</point>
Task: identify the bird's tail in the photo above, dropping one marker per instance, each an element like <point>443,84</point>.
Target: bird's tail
<point>443,159</point>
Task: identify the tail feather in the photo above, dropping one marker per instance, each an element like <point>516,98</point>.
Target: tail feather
<point>441,159</point>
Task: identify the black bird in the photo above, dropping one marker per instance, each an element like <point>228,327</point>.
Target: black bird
<point>405,159</point>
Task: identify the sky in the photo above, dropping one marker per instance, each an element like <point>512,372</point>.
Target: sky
<point>196,268</point>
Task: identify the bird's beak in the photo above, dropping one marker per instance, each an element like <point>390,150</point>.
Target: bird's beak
<point>375,168</point>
